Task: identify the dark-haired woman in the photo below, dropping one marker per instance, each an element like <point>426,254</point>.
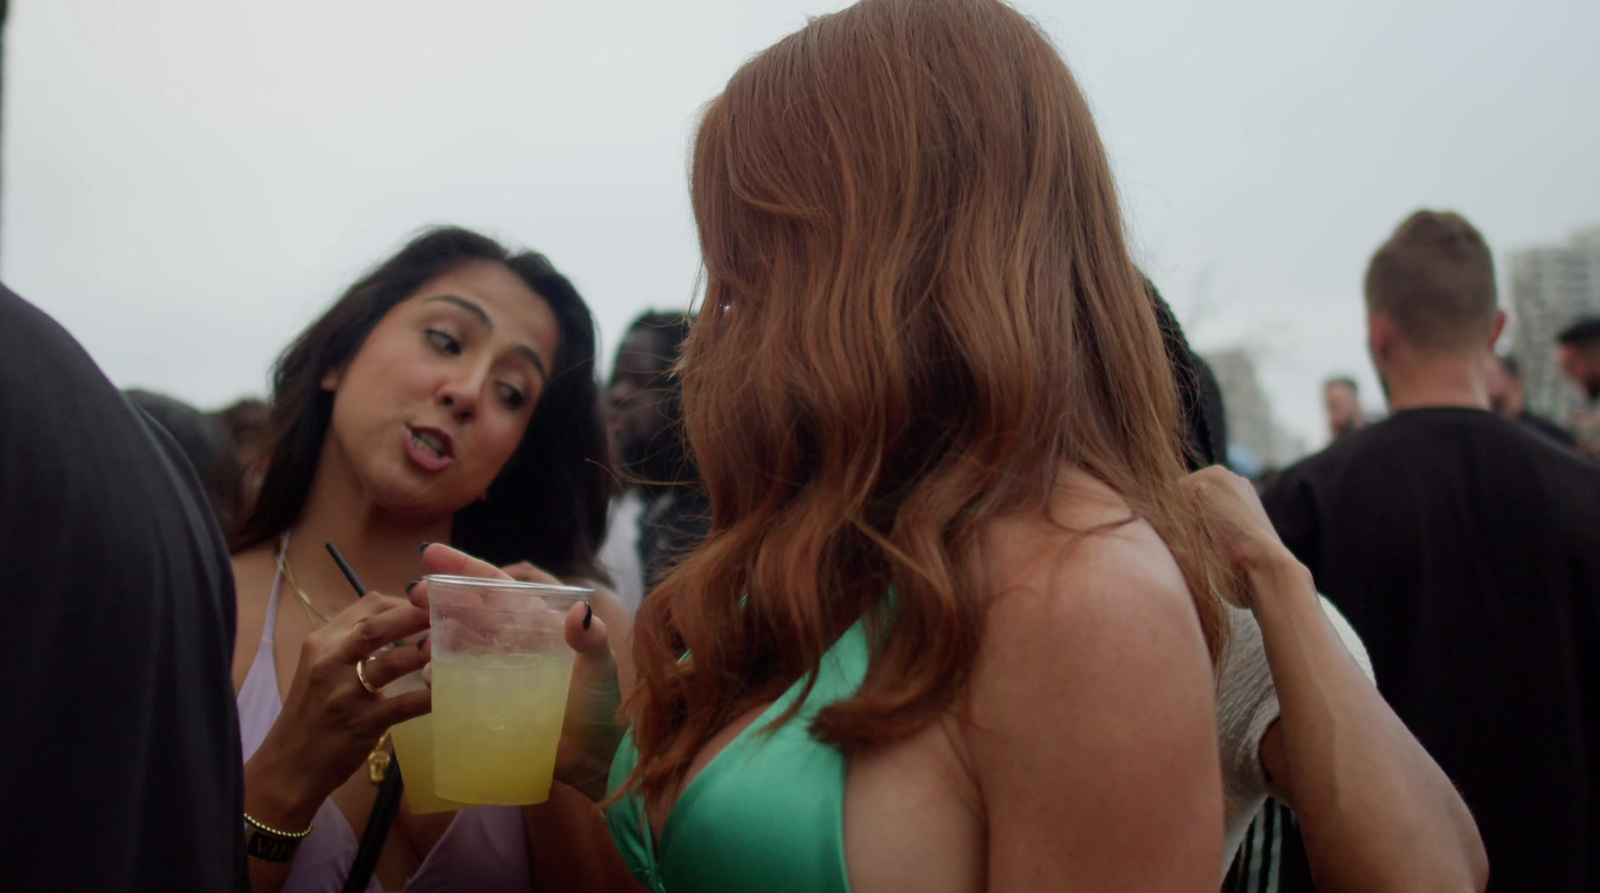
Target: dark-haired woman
<point>448,396</point>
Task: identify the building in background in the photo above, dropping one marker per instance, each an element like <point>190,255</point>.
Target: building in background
<point>1550,287</point>
<point>1254,432</point>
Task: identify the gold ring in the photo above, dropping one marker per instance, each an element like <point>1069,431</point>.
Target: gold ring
<point>361,673</point>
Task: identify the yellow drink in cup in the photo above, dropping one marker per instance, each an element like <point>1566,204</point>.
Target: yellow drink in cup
<point>413,748</point>
<point>502,716</point>
<point>501,669</point>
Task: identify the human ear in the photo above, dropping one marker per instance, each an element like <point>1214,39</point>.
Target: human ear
<point>1378,337</point>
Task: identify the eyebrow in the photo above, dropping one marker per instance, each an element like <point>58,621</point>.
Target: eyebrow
<point>527,352</point>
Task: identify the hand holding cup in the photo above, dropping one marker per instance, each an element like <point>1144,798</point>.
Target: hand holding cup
<point>590,730</point>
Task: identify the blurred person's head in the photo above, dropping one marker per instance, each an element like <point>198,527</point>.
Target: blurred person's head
<point>1341,397</point>
<point>199,436</point>
<point>1506,395</point>
<point>646,408</point>
<point>455,380</point>
<point>244,420</point>
<point>1199,394</point>
<point>1578,352</point>
<point>246,427</point>
<point>1432,317</point>
<point>919,310</point>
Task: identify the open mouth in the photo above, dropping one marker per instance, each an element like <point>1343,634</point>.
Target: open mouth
<point>430,443</point>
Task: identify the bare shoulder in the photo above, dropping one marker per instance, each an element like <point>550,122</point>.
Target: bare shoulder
<point>1090,557</point>
<point>1089,589</point>
<point>1093,678</point>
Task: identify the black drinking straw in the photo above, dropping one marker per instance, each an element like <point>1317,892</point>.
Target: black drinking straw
<point>349,572</point>
<point>388,801</point>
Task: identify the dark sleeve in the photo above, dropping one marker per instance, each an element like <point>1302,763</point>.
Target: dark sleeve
<point>1551,430</point>
<point>666,538</point>
<point>1291,503</point>
<point>123,769</point>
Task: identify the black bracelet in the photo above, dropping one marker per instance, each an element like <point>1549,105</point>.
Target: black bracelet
<point>268,844</point>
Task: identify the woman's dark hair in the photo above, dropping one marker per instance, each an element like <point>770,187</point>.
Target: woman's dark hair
<point>549,503</point>
<point>1199,394</point>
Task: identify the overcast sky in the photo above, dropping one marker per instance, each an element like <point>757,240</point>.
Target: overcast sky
<point>188,182</point>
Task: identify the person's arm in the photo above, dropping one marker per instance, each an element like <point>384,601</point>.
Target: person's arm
<point>1092,736</point>
<point>329,722</point>
<point>1376,812</point>
<point>1291,504</point>
<point>1247,711</point>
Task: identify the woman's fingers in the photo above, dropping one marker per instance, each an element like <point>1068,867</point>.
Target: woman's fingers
<point>585,632</point>
<point>591,731</point>
<point>1231,500</point>
<point>1229,494</point>
<point>442,559</point>
<point>527,572</point>
<point>418,594</point>
<point>1242,524</point>
<point>392,663</point>
<point>382,622</point>
<point>397,709</point>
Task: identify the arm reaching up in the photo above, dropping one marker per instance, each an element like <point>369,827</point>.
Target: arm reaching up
<point>1376,811</point>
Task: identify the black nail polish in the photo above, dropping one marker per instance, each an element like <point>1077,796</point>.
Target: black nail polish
<point>410,586</point>
<point>423,548</point>
<point>421,642</point>
<point>588,615</point>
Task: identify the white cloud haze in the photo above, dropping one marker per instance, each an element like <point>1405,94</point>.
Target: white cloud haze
<point>188,182</point>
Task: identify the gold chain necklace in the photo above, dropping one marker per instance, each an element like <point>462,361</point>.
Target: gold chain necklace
<point>378,759</point>
<point>315,617</point>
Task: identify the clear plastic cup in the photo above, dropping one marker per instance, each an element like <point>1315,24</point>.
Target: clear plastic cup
<point>413,747</point>
<point>501,669</point>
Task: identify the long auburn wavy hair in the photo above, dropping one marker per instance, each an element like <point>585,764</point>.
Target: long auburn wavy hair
<point>919,305</point>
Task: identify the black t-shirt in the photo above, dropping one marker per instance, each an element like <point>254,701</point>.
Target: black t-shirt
<point>120,766</point>
<point>1465,549</point>
<point>1548,428</point>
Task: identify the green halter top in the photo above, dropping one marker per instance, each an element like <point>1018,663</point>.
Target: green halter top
<point>767,813</point>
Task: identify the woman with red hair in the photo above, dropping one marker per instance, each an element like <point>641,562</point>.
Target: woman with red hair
<point>952,586</point>
<point>955,622</point>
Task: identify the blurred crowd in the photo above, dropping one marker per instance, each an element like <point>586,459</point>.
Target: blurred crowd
<point>1577,354</point>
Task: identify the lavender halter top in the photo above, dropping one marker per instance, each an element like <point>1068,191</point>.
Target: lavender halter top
<point>484,850</point>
